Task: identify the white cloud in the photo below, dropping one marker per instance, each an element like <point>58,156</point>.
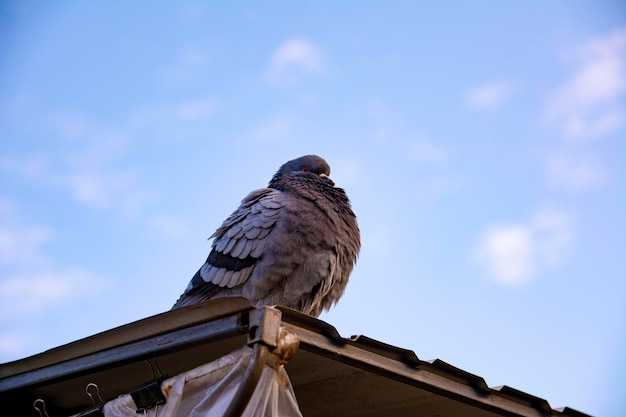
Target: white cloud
<point>507,250</point>
<point>88,167</point>
<point>515,253</point>
<point>104,188</point>
<point>21,245</point>
<point>489,96</point>
<point>34,292</point>
<point>100,188</point>
<point>293,59</point>
<point>30,281</point>
<point>587,104</point>
<point>574,172</point>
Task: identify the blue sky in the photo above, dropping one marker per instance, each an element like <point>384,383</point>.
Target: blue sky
<point>481,144</point>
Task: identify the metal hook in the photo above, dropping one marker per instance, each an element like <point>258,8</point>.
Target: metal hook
<point>91,384</point>
<point>151,367</point>
<point>156,364</point>
<point>43,404</point>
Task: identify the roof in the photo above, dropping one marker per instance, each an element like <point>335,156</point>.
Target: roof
<point>358,376</point>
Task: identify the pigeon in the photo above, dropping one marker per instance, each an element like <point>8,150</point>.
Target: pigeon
<point>292,244</point>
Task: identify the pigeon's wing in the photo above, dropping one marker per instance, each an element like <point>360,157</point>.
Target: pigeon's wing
<point>237,247</point>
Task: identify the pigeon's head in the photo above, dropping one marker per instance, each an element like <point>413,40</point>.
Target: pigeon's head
<point>309,165</point>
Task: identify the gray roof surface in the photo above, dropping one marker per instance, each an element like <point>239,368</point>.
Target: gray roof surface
<point>331,375</point>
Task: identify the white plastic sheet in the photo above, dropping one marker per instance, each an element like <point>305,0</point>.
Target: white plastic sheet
<point>208,390</point>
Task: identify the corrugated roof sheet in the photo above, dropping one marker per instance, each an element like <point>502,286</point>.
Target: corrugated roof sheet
<point>331,375</point>
<point>498,399</point>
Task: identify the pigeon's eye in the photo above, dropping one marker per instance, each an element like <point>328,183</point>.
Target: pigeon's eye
<point>305,169</point>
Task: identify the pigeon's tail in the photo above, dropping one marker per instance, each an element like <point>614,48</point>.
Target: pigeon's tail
<point>197,290</point>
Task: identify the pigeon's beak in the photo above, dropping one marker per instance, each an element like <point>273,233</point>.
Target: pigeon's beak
<point>327,178</point>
